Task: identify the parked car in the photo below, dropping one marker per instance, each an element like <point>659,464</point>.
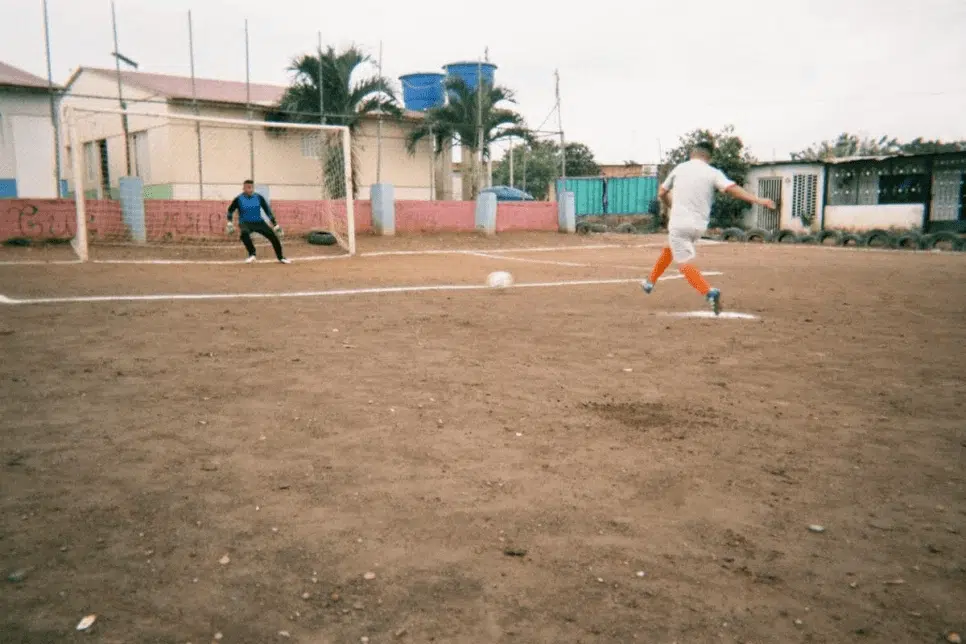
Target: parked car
<point>506,193</point>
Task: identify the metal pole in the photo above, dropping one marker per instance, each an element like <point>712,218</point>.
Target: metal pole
<point>379,129</point>
<point>511,162</point>
<point>563,144</point>
<point>525,149</point>
<point>248,106</point>
<point>479,125</point>
<point>80,234</point>
<point>321,93</point>
<point>194,102</point>
<point>433,153</point>
<point>54,116</point>
<point>120,94</point>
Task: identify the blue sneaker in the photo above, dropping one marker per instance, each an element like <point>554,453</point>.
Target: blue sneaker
<point>647,286</point>
<point>714,299</point>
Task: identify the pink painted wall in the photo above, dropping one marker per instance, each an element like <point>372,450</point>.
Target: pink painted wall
<point>533,215</point>
<point>435,216</point>
<point>40,219</point>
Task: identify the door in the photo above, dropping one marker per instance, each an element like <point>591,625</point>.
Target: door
<point>33,144</point>
<point>769,188</point>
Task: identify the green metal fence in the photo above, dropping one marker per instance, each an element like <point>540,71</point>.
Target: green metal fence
<point>610,195</point>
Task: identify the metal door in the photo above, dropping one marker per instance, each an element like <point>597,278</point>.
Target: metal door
<point>769,188</point>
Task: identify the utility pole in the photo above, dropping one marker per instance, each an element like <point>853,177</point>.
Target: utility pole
<point>479,126</point>
<point>54,117</point>
<point>120,94</point>
<point>194,102</point>
<point>563,146</point>
<point>248,107</point>
<point>379,129</point>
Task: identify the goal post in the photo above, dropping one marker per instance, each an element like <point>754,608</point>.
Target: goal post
<point>168,182</point>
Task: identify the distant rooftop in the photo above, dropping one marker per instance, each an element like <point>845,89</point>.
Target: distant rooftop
<point>11,76</point>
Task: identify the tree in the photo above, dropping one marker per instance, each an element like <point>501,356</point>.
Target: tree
<point>346,101</point>
<point>457,121</point>
<point>730,156</point>
<point>851,145</point>
<point>848,145</point>
<point>537,164</point>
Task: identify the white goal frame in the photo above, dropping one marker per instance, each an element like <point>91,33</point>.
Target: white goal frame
<point>79,243</point>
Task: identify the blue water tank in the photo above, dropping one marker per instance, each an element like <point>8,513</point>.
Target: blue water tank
<point>471,71</point>
<point>422,91</point>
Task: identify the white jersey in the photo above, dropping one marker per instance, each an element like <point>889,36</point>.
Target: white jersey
<point>694,183</point>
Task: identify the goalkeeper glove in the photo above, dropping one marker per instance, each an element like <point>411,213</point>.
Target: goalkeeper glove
<point>230,228</point>
<point>278,230</point>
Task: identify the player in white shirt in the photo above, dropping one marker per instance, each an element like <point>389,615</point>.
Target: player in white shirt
<point>689,193</point>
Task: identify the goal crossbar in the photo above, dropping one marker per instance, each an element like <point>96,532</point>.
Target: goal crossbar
<point>212,119</point>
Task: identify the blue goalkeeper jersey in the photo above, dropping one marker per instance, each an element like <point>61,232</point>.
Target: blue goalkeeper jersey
<point>250,208</point>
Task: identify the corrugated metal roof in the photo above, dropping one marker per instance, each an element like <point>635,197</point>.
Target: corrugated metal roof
<point>208,90</point>
<point>14,77</point>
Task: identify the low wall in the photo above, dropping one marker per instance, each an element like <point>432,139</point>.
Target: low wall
<point>862,218</point>
<point>42,219</point>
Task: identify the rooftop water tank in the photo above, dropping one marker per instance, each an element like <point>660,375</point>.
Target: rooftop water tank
<point>422,91</point>
<point>470,71</point>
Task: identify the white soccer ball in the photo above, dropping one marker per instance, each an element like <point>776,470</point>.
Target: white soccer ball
<point>499,279</point>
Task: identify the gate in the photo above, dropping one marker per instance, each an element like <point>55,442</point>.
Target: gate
<point>769,188</point>
<point>610,195</point>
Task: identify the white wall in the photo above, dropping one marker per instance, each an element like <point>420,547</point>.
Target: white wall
<point>27,133</point>
<point>861,218</point>
<point>787,173</point>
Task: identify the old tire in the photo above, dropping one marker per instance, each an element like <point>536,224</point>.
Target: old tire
<point>878,238</point>
<point>807,239</point>
<point>825,235</point>
<point>758,236</point>
<point>583,228</point>
<point>850,239</point>
<point>733,234</point>
<point>627,228</point>
<point>320,238</point>
<point>786,237</point>
<point>909,241</point>
<point>933,240</point>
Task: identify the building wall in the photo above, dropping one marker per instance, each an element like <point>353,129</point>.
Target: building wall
<point>862,218</point>
<point>755,216</point>
<point>411,175</point>
<point>92,127</point>
<point>27,145</point>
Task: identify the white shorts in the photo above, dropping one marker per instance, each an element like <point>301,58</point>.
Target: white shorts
<point>681,241</point>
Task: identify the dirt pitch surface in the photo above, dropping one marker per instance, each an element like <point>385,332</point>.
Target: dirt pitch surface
<point>555,463</point>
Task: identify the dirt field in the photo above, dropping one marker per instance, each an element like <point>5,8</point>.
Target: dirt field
<point>547,464</point>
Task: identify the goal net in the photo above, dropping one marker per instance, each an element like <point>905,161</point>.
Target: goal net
<point>159,184</point>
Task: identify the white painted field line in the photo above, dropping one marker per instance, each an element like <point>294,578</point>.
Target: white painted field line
<point>547,261</point>
<point>168,297</point>
<point>724,315</point>
<point>294,294</point>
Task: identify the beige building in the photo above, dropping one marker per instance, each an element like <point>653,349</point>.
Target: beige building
<point>164,150</point>
<point>28,153</point>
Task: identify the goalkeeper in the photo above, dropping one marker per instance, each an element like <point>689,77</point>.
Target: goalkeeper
<point>251,219</point>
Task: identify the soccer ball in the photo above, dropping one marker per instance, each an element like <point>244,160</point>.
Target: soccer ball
<point>499,279</point>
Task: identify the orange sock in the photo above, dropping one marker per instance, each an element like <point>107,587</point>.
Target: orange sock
<point>695,278</point>
<point>662,263</point>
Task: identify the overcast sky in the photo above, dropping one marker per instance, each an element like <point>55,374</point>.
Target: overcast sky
<point>633,73</point>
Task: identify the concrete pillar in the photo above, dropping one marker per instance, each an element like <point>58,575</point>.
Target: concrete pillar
<point>132,207</point>
<point>567,212</point>
<point>383,208</point>
<point>486,213</point>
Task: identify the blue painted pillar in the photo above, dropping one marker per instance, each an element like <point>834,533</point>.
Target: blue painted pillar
<point>383,198</point>
<point>567,212</point>
<point>132,207</point>
<point>486,213</point>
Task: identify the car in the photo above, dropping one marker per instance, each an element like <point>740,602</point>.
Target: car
<point>506,193</point>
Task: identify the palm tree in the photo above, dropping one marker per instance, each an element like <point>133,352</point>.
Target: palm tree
<point>346,101</point>
<point>457,121</point>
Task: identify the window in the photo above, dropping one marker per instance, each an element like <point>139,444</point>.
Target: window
<point>804,196</point>
<point>140,154</point>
